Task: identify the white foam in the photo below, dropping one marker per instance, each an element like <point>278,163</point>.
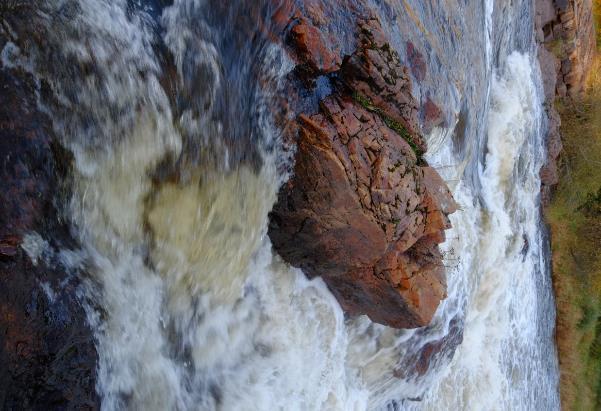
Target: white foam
<point>35,246</point>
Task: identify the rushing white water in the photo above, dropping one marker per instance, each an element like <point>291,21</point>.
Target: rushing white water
<point>501,362</point>
<point>190,306</point>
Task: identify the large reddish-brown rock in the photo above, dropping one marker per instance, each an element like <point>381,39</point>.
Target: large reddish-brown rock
<point>362,208</point>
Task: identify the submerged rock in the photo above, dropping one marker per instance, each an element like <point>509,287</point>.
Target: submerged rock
<point>363,210</point>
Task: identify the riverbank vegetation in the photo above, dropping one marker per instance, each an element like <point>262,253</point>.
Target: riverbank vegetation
<point>574,218</point>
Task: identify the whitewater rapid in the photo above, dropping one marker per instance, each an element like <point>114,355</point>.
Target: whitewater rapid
<point>505,362</point>
<point>190,307</point>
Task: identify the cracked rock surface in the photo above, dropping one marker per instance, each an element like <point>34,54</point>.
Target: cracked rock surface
<point>363,210</point>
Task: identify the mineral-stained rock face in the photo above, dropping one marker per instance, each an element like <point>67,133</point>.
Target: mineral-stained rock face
<point>363,209</point>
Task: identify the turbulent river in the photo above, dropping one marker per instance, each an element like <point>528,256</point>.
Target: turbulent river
<point>190,306</point>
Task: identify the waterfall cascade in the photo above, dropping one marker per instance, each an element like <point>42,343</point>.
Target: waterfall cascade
<point>190,307</point>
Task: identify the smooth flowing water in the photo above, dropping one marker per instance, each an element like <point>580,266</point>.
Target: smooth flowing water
<point>171,190</point>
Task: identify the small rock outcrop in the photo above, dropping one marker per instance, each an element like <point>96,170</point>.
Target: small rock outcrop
<point>363,210</point>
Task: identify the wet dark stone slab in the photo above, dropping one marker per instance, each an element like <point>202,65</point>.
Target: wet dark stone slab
<point>47,354</point>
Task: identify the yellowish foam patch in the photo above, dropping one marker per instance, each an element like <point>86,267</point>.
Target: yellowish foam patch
<point>206,231</point>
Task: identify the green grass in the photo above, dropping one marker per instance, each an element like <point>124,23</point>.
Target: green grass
<point>576,243</point>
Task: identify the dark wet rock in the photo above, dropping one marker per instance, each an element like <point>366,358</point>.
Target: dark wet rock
<point>432,352</point>
<point>47,354</point>
<point>363,209</point>
<point>9,246</point>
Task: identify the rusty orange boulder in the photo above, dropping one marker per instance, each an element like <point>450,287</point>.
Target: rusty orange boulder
<point>363,210</point>
<point>312,48</point>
